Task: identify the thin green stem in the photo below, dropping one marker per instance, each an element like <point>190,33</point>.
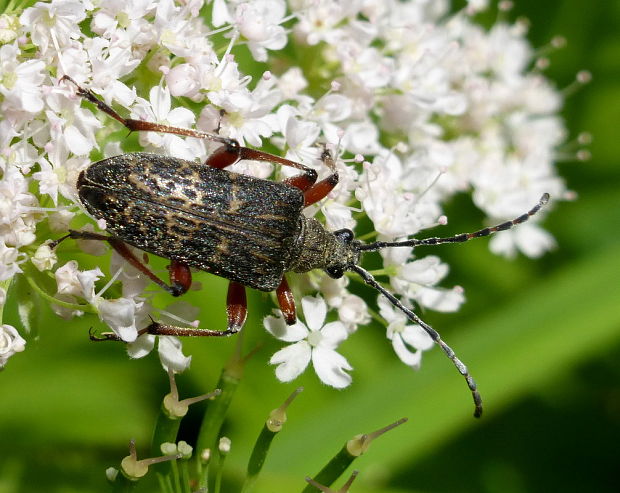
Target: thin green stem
<point>64,304</point>
<point>164,483</point>
<point>257,459</point>
<point>216,413</point>
<point>123,485</point>
<point>218,475</point>
<point>174,468</point>
<point>332,470</point>
<point>367,236</point>
<point>166,430</point>
<point>5,285</point>
<point>185,481</point>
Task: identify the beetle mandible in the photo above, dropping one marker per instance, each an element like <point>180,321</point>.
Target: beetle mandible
<point>248,230</point>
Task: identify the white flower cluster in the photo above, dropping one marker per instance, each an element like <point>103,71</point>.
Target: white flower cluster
<point>418,103</point>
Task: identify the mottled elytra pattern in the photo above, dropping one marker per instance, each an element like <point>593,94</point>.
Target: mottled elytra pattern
<point>197,214</point>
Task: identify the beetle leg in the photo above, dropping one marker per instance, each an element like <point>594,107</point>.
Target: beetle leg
<point>303,181</point>
<point>158,329</point>
<point>180,276</point>
<point>286,302</point>
<point>236,306</point>
<point>226,155</point>
<point>319,190</point>
<point>236,309</point>
<point>139,125</point>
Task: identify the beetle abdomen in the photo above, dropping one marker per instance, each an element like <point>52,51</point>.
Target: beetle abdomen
<point>235,226</point>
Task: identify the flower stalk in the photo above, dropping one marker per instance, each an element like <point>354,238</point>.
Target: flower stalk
<point>272,426</point>
<point>172,411</point>
<point>354,448</point>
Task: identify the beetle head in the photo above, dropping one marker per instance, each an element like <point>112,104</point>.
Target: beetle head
<point>346,255</point>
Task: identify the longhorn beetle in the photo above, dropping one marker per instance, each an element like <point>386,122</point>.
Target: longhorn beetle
<point>248,230</point>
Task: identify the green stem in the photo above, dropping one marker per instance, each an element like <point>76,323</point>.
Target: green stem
<point>218,475</point>
<point>5,285</point>
<point>367,236</point>
<point>185,481</point>
<point>215,415</point>
<point>123,485</point>
<point>165,486</point>
<point>166,430</point>
<point>174,467</point>
<point>51,299</point>
<point>257,459</point>
<point>332,470</point>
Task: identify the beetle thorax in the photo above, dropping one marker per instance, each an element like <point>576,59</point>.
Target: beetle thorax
<point>317,248</point>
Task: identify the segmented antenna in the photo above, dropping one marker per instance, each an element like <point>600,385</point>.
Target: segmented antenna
<point>460,366</point>
<point>460,238</point>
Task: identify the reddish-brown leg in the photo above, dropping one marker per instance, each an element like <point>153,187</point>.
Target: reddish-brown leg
<point>228,154</point>
<point>319,190</point>
<point>236,306</point>
<point>139,125</point>
<point>286,302</point>
<point>180,275</point>
<point>180,282</point>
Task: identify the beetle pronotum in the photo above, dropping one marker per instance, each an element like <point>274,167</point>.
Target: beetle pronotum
<point>248,230</point>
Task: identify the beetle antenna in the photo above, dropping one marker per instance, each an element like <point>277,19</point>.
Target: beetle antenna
<point>460,238</point>
<point>460,366</point>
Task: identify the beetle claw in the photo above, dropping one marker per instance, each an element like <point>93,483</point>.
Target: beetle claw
<point>104,336</point>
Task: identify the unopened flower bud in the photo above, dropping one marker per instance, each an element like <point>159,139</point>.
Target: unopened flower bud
<point>224,445</point>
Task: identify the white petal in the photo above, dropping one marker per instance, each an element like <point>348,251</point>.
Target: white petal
<point>171,354</point>
<point>120,315</point>
<point>333,334</point>
<point>426,271</point>
<point>330,367</point>
<point>291,360</point>
<point>415,336</point>
<point>160,101</point>
<point>181,117</point>
<point>441,300</point>
<point>315,311</point>
<point>406,356</point>
<point>142,346</point>
<point>289,333</point>
<point>76,142</point>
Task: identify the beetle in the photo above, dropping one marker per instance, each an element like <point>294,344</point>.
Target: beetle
<point>248,230</point>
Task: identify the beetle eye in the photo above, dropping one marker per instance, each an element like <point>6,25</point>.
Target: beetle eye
<point>335,272</point>
<point>344,235</point>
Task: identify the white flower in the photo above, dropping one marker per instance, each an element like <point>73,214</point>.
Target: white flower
<point>10,343</point>
<point>120,315</point>
<point>20,83</point>
<point>529,238</point>
<point>247,116</point>
<point>312,342</point>
<point>59,19</point>
<point>258,21</point>
<point>408,340</point>
<point>171,354</point>
<point>417,279</point>
<point>44,258</point>
<point>158,110</point>
<point>169,349</point>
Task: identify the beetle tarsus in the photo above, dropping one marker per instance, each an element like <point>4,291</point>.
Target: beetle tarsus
<point>104,336</point>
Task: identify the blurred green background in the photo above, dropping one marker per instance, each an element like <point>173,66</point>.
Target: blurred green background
<point>542,339</point>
